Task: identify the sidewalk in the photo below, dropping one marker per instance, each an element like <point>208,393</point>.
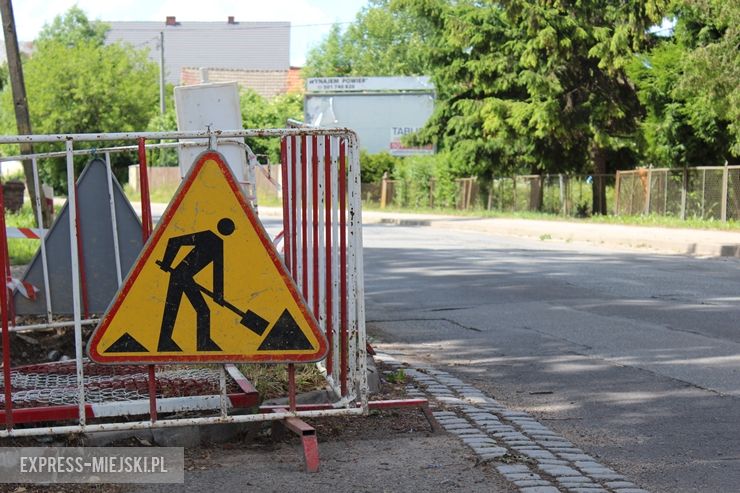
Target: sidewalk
<point>699,242</point>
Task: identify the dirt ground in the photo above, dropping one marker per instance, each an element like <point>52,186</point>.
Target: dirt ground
<point>389,450</point>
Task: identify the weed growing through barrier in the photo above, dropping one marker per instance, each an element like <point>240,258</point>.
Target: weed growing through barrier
<point>398,376</point>
<point>272,380</point>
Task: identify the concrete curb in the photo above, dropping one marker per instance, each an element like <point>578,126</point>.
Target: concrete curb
<point>675,241</point>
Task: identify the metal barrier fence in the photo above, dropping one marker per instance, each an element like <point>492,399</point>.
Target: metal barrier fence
<point>706,192</point>
<point>323,239</point>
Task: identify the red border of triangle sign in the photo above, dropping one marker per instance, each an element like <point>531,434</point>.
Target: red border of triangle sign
<point>289,333</point>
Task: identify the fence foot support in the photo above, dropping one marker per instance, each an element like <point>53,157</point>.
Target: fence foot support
<point>306,432</point>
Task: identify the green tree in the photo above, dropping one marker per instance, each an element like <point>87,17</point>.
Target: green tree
<point>380,42</point>
<point>689,86</point>
<point>534,84</point>
<point>73,28</point>
<point>258,112</point>
<point>76,84</point>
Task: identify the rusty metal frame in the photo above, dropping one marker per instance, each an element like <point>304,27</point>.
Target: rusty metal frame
<point>352,380</point>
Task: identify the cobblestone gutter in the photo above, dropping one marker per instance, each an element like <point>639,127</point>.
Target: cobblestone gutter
<point>525,452</point>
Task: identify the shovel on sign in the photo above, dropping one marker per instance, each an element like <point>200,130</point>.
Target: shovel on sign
<point>249,319</point>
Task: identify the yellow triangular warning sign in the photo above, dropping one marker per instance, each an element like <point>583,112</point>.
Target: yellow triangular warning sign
<point>208,286</point>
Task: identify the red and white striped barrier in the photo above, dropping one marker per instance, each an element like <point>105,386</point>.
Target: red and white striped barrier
<point>25,233</point>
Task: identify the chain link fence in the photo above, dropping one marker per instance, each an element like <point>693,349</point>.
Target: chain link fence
<point>711,192</point>
<point>707,192</point>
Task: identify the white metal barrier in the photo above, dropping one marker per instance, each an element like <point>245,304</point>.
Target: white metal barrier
<point>323,252</point>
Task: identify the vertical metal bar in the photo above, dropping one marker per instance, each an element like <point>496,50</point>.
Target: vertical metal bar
<point>111,197</point>
<point>343,265</point>
<point>304,224</point>
<point>291,387</point>
<point>358,279</point>
<point>222,394</point>
<point>40,219</point>
<point>649,191</point>
<point>252,182</point>
<point>285,189</point>
<point>321,237</point>
<point>315,224</point>
<point>353,214</point>
<point>73,242</point>
<point>684,191</point>
<point>336,324</point>
<point>81,258</point>
<point>703,191</point>
<point>296,195</point>
<point>4,298</point>
<point>665,192</point>
<point>146,231</point>
<point>308,171</point>
<point>146,207</point>
<point>329,290</point>
<point>725,187</point>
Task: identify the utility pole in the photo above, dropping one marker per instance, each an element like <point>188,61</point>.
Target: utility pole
<point>161,72</point>
<point>18,89</point>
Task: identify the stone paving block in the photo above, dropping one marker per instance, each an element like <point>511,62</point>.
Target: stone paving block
<point>469,431</point>
<point>575,457</point>
<point>525,483</point>
<point>478,440</point>
<point>576,481</point>
<point>515,414</point>
<point>511,468</point>
<point>539,432</point>
<point>633,490</point>
<point>587,464</point>
<point>492,455</point>
<point>490,449</point>
<point>457,426</point>
<point>538,454</point>
<point>588,490</point>
<point>511,436</point>
<point>559,470</point>
<point>540,489</point>
<point>553,462</point>
<point>522,443</point>
<point>499,426</point>
<point>596,470</point>
<point>521,475</point>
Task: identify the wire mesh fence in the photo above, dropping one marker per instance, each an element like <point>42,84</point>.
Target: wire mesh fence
<point>707,192</point>
<point>711,192</point>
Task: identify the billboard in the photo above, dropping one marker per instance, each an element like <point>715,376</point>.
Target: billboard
<point>380,109</point>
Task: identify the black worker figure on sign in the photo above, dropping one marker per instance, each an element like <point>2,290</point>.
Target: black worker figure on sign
<point>208,248</point>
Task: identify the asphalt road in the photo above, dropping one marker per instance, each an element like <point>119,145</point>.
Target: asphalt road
<point>634,357</point>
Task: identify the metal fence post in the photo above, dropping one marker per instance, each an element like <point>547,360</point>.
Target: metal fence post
<point>684,192</point>
<point>384,190</point>
<point>649,191</point>
<point>723,209</point>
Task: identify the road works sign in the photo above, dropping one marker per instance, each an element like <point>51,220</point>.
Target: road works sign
<point>208,286</point>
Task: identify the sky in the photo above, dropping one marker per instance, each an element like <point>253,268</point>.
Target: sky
<point>310,19</point>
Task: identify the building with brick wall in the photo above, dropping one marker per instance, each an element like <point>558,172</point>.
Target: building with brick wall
<point>266,83</point>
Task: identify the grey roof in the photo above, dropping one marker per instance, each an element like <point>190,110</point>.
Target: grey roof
<point>243,45</point>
